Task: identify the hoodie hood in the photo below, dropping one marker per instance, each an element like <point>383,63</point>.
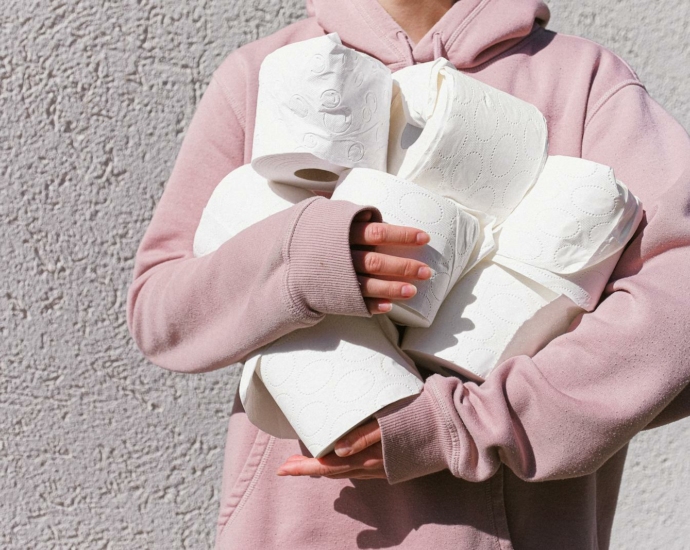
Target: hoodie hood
<point>469,34</point>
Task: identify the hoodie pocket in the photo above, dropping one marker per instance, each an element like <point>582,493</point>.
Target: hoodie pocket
<point>245,482</point>
<point>498,510</point>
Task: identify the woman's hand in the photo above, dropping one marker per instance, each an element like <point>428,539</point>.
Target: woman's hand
<point>357,455</point>
<point>383,277</point>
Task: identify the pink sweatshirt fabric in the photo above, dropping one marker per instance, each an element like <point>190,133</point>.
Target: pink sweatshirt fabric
<point>533,457</point>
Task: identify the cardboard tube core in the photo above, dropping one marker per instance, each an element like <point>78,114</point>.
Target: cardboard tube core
<point>316,174</point>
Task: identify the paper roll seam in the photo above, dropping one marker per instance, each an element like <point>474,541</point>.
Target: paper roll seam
<point>632,220</point>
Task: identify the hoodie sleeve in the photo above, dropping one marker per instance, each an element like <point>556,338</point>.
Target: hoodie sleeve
<point>568,409</point>
<point>195,314</point>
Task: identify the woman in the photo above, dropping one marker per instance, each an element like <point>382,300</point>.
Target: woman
<point>533,457</point>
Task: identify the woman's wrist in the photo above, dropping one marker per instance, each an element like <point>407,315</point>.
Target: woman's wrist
<point>414,437</point>
<point>321,278</point>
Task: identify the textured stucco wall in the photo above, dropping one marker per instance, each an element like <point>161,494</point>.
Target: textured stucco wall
<point>99,448</point>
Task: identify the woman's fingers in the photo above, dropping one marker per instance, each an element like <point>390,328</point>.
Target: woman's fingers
<point>388,290</point>
<point>375,305</point>
<point>376,234</point>
<point>359,439</point>
<point>368,462</point>
<point>376,263</point>
<point>381,287</point>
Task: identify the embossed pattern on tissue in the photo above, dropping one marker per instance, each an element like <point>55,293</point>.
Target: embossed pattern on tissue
<point>315,102</point>
<point>481,147</point>
<point>329,377</point>
<point>570,218</point>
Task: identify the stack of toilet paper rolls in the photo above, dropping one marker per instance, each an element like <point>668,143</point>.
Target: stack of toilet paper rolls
<point>554,255</point>
<point>323,109</point>
<point>319,382</point>
<point>554,227</point>
<point>521,242</point>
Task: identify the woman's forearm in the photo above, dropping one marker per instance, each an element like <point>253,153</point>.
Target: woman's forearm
<point>566,411</point>
<point>194,314</point>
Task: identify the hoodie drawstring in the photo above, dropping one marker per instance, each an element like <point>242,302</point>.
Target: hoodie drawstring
<point>438,46</point>
<point>407,47</point>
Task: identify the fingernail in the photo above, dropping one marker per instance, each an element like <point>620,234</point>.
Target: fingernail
<point>424,273</point>
<point>423,238</point>
<point>385,307</point>
<point>281,472</point>
<point>408,290</point>
<point>343,450</point>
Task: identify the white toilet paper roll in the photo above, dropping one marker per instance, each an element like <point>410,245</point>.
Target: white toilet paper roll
<point>454,234</point>
<point>241,199</point>
<point>555,253</point>
<point>490,315</point>
<point>321,108</point>
<point>352,366</point>
<point>575,216</point>
<point>325,380</point>
<point>463,139</point>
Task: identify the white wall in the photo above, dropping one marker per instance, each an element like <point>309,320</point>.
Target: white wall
<point>99,448</point>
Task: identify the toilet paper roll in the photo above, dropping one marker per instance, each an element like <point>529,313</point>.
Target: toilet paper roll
<point>575,216</point>
<point>321,108</point>
<point>492,314</point>
<point>463,139</point>
<point>320,382</point>
<point>454,235</point>
<point>241,199</point>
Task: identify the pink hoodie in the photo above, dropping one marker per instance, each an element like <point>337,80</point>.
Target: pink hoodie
<point>533,457</point>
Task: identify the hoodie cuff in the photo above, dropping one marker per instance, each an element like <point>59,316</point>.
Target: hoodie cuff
<point>415,438</point>
<point>321,278</point>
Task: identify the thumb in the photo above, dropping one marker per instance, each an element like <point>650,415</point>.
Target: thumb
<point>359,439</point>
